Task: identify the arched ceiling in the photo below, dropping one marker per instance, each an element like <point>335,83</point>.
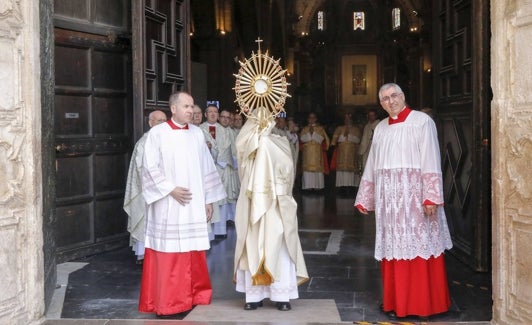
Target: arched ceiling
<point>305,11</point>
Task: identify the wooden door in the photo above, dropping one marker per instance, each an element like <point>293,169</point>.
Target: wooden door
<point>462,102</point>
<point>161,61</point>
<point>92,124</point>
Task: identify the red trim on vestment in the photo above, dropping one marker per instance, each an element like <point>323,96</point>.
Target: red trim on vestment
<point>401,117</point>
<point>334,159</point>
<point>324,157</point>
<point>212,131</point>
<point>361,207</point>
<point>175,126</point>
<point>173,283</point>
<point>415,287</point>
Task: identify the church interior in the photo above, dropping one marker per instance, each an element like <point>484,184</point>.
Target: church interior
<point>336,53</point>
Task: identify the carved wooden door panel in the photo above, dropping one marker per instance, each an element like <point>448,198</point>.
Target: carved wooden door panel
<point>461,96</point>
<point>92,124</point>
<point>161,63</point>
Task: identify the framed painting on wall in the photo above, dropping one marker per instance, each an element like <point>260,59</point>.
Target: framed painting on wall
<point>359,80</point>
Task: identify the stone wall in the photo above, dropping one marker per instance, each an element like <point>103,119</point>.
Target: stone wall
<point>21,254</point>
<point>511,134</point>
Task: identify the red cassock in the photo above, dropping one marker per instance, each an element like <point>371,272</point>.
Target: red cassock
<point>174,282</point>
<point>415,287</point>
<point>402,174</point>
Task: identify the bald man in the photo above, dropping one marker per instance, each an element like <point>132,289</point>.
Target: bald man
<point>197,115</point>
<point>134,203</point>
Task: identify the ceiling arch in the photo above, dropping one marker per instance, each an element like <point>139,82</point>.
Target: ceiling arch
<point>305,10</point>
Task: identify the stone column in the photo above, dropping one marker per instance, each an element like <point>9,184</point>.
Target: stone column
<point>21,253</point>
<point>511,136</point>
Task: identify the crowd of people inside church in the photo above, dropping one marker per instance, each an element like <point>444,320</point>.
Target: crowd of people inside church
<point>336,150</point>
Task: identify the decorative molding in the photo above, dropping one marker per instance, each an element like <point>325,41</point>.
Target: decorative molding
<point>11,22</point>
<point>12,131</point>
<point>12,299</point>
<point>522,11</point>
<point>518,161</point>
<point>519,278</point>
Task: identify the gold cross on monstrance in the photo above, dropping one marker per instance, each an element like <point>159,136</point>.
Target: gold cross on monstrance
<point>258,41</point>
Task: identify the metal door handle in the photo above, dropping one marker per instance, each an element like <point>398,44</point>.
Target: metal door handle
<point>61,147</point>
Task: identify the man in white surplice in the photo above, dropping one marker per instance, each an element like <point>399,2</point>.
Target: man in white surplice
<point>134,203</point>
<point>179,183</point>
<point>219,142</point>
<point>269,260</point>
<point>403,184</point>
<point>230,174</point>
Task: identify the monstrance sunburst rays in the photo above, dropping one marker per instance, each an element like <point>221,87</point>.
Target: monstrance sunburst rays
<point>261,82</point>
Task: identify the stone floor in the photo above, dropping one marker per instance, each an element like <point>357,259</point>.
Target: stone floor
<point>338,246</point>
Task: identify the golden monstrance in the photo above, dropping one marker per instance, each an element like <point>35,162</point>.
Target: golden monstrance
<point>261,83</point>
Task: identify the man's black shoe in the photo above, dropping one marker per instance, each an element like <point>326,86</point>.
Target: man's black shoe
<point>283,306</point>
<point>172,316</point>
<point>252,305</point>
<point>391,314</point>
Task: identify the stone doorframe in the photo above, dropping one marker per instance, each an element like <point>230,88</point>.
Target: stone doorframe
<point>511,134</point>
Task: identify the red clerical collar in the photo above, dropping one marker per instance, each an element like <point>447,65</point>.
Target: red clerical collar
<point>175,126</point>
<point>401,117</point>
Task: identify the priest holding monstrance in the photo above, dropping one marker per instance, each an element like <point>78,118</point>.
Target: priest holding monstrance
<point>268,255</point>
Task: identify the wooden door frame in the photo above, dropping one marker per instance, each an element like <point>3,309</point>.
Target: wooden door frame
<point>47,150</point>
<point>479,97</point>
<point>138,27</point>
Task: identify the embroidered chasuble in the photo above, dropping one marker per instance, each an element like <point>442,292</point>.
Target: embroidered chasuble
<point>222,154</point>
<point>314,147</point>
<point>346,142</point>
<point>134,203</point>
<point>266,213</point>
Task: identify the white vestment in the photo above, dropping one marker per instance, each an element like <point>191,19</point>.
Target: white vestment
<point>178,158</point>
<point>268,255</point>
<point>215,208</point>
<point>222,154</point>
<point>134,203</point>
<point>365,142</point>
<point>293,139</point>
<point>403,170</point>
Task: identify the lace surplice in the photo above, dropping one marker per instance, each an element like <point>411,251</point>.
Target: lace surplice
<point>403,171</point>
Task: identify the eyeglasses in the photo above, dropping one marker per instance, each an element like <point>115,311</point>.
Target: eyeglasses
<point>392,97</point>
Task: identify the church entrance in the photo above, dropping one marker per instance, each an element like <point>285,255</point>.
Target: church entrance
<point>121,59</point>
<point>92,125</point>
